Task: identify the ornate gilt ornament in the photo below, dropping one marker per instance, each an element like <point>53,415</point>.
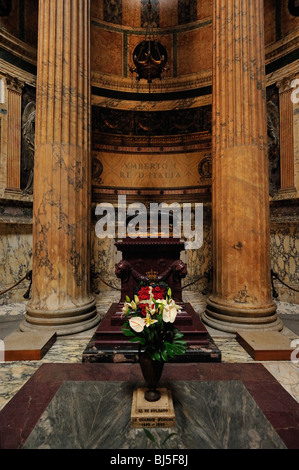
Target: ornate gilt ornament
<point>205,167</point>
<point>149,56</point>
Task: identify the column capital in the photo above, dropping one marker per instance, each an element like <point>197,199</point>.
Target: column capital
<point>286,83</point>
<point>14,84</point>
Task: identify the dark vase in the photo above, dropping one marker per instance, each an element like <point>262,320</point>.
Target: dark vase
<point>152,371</point>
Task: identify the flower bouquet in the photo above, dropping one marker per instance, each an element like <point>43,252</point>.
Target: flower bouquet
<point>150,321</point>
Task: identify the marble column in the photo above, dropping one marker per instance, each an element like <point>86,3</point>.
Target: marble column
<point>295,101</point>
<point>61,298</point>
<point>286,136</point>
<point>14,124</point>
<point>241,297</point>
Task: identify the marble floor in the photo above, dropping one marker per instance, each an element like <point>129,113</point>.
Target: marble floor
<point>68,350</point>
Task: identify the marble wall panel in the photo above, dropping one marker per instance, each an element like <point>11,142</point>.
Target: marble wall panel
<point>194,50</point>
<point>199,261</point>
<point>15,260</point>
<point>105,51</point>
<point>285,259</point>
<point>168,13</point>
<point>96,9</point>
<point>103,260</point>
<point>204,9</point>
<point>288,22</point>
<point>270,18</point>
<point>16,254</point>
<point>187,11</point>
<point>131,13</point>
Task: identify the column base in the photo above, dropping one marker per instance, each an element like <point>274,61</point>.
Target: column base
<point>229,319</point>
<point>63,322</point>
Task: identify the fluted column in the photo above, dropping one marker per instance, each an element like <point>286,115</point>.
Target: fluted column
<point>61,298</point>
<point>14,120</point>
<point>241,297</point>
<point>287,182</point>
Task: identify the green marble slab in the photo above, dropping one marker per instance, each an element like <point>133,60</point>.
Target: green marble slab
<point>209,415</point>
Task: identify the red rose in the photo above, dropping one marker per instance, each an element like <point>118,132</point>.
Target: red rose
<point>143,309</point>
<point>143,293</point>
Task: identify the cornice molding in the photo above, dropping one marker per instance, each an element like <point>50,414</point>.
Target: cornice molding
<point>113,82</point>
<point>139,31</point>
<point>282,77</point>
<point>284,46</point>
<point>17,47</point>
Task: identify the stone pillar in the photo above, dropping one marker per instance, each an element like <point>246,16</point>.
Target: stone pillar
<point>14,124</point>
<point>61,298</point>
<point>295,101</point>
<point>241,297</point>
<point>287,182</point>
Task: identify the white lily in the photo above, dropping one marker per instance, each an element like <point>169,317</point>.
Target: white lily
<point>170,311</point>
<point>153,310</point>
<point>125,309</point>
<point>149,321</point>
<point>161,304</point>
<point>137,324</point>
<point>133,305</point>
<point>136,298</point>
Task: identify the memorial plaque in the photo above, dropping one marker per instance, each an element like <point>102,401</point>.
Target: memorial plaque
<point>159,414</point>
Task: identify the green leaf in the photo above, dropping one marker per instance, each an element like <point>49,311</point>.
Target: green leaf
<point>175,350</point>
<point>180,343</point>
<point>136,339</point>
<point>178,335</point>
<point>149,435</point>
<point>128,332</point>
<point>169,350</point>
<point>178,351</point>
<point>156,356</point>
<point>164,356</point>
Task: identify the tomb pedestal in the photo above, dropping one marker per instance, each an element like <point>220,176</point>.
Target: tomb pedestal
<point>141,257</point>
<point>147,255</point>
